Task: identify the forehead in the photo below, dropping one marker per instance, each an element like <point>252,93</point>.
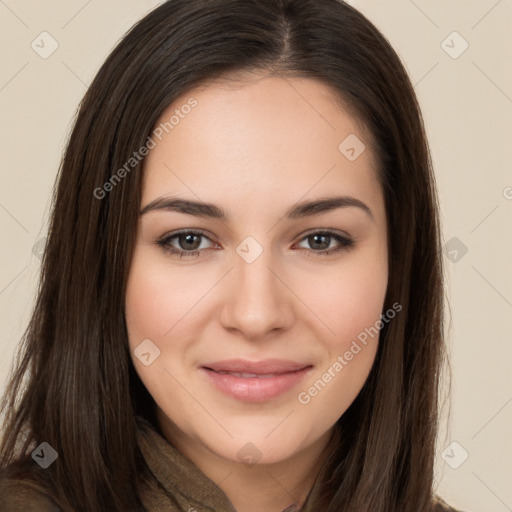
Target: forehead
<point>261,135</point>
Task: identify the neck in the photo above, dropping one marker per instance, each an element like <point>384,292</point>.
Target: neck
<point>270,487</point>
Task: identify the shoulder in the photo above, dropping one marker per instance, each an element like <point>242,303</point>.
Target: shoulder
<point>23,495</point>
<point>439,505</point>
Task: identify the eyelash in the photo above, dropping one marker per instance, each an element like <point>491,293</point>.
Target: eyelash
<point>346,243</point>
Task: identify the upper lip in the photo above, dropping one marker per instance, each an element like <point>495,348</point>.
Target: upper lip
<point>267,366</point>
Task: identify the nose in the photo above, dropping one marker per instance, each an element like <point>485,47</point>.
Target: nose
<point>258,301</point>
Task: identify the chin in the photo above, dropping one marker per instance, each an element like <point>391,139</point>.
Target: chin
<point>258,448</point>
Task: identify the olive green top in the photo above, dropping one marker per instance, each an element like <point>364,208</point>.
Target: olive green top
<point>179,485</point>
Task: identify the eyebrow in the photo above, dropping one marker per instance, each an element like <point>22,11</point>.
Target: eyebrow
<point>300,210</point>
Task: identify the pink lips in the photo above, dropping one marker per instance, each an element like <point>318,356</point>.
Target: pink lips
<point>255,381</point>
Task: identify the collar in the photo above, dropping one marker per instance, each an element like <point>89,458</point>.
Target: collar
<point>178,484</point>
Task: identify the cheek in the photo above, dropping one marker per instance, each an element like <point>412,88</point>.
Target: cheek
<point>149,305</point>
<point>350,304</point>
<point>158,307</point>
<point>158,298</point>
<point>348,300</point>
<point>163,304</point>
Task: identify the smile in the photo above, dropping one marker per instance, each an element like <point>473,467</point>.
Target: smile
<point>254,387</point>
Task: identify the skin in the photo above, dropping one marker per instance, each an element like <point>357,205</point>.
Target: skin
<point>255,149</point>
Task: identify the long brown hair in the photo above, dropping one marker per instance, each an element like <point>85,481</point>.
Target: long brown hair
<point>74,385</point>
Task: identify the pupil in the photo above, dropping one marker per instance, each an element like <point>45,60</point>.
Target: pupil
<point>188,240</point>
<point>315,238</point>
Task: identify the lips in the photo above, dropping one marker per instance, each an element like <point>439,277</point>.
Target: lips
<point>255,381</point>
<point>258,368</point>
<point>249,375</point>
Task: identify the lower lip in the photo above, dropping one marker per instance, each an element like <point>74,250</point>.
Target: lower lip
<point>255,389</point>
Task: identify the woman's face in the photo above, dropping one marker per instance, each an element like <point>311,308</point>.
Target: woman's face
<point>257,284</point>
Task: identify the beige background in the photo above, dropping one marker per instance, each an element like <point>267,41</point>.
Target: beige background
<point>467,105</point>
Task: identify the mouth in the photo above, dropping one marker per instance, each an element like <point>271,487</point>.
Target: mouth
<point>255,381</point>
<point>248,375</point>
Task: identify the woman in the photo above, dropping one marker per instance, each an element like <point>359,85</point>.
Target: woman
<point>186,352</point>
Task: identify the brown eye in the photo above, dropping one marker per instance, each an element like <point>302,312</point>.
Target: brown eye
<point>189,242</point>
<point>185,243</point>
<point>319,241</point>
<point>326,242</point>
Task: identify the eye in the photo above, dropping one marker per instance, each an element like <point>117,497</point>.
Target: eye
<point>322,240</point>
<point>188,242</point>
